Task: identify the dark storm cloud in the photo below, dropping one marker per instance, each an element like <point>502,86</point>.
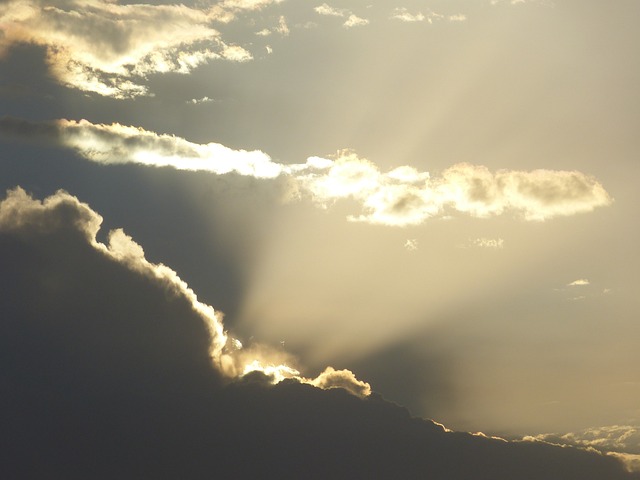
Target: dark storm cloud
<point>106,372</point>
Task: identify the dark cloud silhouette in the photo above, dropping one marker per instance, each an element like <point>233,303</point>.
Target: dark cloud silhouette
<point>106,373</point>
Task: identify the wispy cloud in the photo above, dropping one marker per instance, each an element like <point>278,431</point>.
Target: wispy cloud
<point>352,20</point>
<point>325,9</point>
<point>404,15</point>
<point>107,48</point>
<point>400,197</point>
<point>483,242</point>
<point>411,244</point>
<point>579,282</point>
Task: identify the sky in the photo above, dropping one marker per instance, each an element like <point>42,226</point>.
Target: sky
<point>410,217</point>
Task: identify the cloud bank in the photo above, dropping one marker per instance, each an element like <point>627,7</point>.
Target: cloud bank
<point>109,375</point>
<point>19,213</point>
<point>400,197</point>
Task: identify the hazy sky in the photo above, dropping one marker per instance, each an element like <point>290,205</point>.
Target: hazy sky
<point>435,198</point>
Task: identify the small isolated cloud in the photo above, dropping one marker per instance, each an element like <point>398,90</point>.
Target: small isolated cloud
<point>520,2</point>
<point>578,283</point>
<point>332,378</point>
<point>198,101</point>
<point>282,28</point>
<point>482,242</point>
<point>107,48</point>
<point>404,15</point>
<point>411,244</point>
<point>325,9</point>
<point>355,21</point>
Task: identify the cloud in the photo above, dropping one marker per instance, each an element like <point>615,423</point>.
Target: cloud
<point>578,283</point>
<point>115,144</point>
<point>355,21</point>
<point>110,374</point>
<point>620,441</point>
<point>483,242</point>
<point>402,14</point>
<point>332,378</point>
<point>402,196</point>
<point>107,48</point>
<point>411,244</point>
<point>405,196</point>
<point>61,212</point>
<point>325,9</point>
<point>198,101</point>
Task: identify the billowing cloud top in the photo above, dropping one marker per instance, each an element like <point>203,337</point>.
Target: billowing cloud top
<point>400,197</point>
<point>64,214</point>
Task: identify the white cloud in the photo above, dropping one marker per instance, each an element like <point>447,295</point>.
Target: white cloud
<point>387,199</point>
<point>332,378</point>
<point>400,197</point>
<point>107,48</point>
<point>355,21</point>
<point>198,101</point>
<point>579,282</point>
<point>404,15</point>
<point>482,242</point>
<point>325,9</point>
<point>411,244</point>
<point>116,143</point>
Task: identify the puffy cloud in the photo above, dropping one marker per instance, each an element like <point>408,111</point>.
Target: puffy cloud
<point>409,197</point>
<point>332,378</point>
<point>355,21</point>
<point>107,48</point>
<point>325,9</point>
<point>62,214</point>
<point>578,283</point>
<point>400,197</point>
